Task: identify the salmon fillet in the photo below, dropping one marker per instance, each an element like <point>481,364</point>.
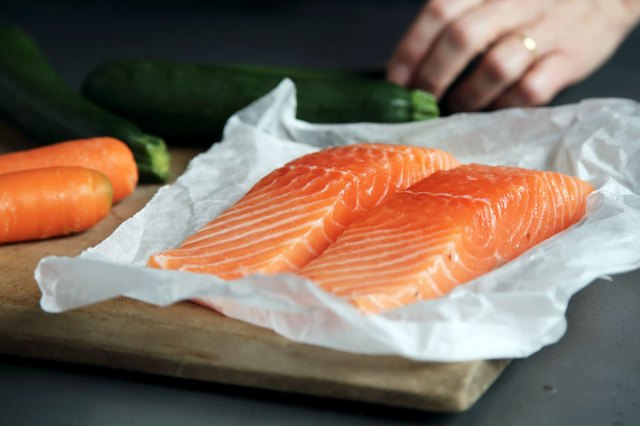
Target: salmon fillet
<point>445,230</point>
<point>293,214</point>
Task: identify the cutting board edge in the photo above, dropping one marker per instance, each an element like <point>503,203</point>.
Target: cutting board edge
<point>453,403</point>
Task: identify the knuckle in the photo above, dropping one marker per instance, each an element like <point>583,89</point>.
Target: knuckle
<point>531,92</point>
<point>439,10</point>
<point>496,69</point>
<point>461,34</point>
<point>412,49</point>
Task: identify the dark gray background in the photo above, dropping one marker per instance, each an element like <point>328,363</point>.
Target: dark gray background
<point>591,377</point>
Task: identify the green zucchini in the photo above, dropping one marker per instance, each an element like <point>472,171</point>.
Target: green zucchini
<point>192,102</point>
<point>322,74</point>
<point>36,100</point>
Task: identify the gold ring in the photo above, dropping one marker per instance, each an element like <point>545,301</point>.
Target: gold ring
<point>529,43</point>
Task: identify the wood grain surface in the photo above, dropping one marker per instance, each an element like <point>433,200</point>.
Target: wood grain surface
<point>188,341</point>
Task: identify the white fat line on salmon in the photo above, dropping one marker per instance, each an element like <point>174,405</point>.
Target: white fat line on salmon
<point>551,186</point>
<point>387,185</point>
<point>565,200</point>
<point>577,197</point>
<point>347,188</point>
<point>252,242</point>
<point>248,227</point>
<point>487,245</point>
<point>441,163</point>
<point>279,181</point>
<point>465,259</point>
<point>416,257</point>
<point>301,240</point>
<point>213,254</point>
<point>326,270</point>
<point>374,252</point>
<point>447,195</point>
<point>378,285</point>
<point>387,298</point>
<point>325,216</point>
<point>267,263</point>
<point>367,190</point>
<point>412,285</point>
<point>377,245</point>
<point>238,211</point>
<point>248,204</point>
<point>369,285</point>
<point>426,278</point>
<point>289,264</point>
<point>219,225</point>
<point>567,204</point>
<point>380,301</point>
<point>401,178</point>
<point>398,282</point>
<point>328,169</point>
<point>373,300</point>
<point>492,243</point>
<point>320,225</point>
<point>237,215</point>
<point>382,153</point>
<point>267,266</point>
<point>213,257</point>
<point>284,175</point>
<point>346,277</point>
<point>250,263</point>
<point>358,183</point>
<point>526,211</point>
<point>363,230</point>
<point>375,233</point>
<point>538,216</point>
<point>394,149</point>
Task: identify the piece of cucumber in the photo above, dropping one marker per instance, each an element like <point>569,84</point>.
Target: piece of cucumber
<point>37,100</point>
<point>192,102</point>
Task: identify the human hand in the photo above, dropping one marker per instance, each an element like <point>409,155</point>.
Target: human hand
<point>528,50</point>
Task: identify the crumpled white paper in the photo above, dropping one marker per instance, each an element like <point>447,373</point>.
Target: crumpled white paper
<point>510,312</point>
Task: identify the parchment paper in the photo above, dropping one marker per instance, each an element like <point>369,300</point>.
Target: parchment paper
<point>510,312</point>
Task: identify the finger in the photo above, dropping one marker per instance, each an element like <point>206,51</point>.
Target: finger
<point>502,66</point>
<point>468,36</point>
<point>540,84</point>
<point>432,19</point>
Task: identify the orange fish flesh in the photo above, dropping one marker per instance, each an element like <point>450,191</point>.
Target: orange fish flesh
<point>446,230</point>
<point>293,214</point>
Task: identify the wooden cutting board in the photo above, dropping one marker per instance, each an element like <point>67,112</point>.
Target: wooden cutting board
<point>189,341</point>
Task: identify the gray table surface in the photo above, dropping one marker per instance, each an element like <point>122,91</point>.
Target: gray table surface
<point>590,377</point>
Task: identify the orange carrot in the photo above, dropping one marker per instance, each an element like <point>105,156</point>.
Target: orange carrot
<point>107,155</point>
<point>42,203</point>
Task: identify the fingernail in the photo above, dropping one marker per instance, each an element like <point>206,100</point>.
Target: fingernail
<point>399,73</point>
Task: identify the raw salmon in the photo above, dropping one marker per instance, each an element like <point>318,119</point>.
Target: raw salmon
<point>293,214</point>
<point>445,230</point>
